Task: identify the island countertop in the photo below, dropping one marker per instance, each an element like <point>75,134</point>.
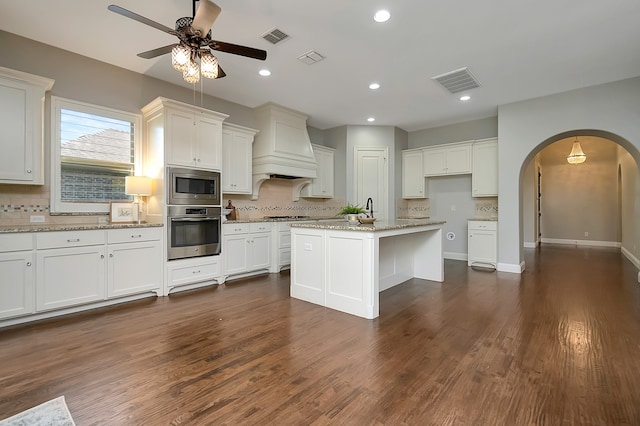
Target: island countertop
<point>343,225</point>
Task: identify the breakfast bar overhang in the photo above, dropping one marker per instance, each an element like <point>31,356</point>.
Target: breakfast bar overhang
<point>345,267</point>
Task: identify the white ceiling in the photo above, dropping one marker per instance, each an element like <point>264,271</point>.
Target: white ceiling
<point>516,49</point>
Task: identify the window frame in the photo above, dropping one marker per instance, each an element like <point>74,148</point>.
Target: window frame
<point>57,104</point>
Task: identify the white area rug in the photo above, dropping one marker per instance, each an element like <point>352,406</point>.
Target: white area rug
<point>51,413</point>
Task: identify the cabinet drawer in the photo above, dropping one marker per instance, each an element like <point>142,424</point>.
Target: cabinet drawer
<point>483,225</point>
<point>235,228</point>
<point>132,235</point>
<point>62,239</point>
<point>194,273</point>
<point>260,227</point>
<point>16,242</point>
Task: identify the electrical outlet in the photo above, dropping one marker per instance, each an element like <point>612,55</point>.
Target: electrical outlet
<point>308,246</point>
<point>36,218</point>
<point>586,234</point>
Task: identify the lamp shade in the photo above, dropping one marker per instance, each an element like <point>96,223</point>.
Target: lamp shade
<point>137,185</point>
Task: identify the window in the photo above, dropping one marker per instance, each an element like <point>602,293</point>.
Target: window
<point>93,148</point>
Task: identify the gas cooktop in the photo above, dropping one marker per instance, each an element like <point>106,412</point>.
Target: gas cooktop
<point>286,217</point>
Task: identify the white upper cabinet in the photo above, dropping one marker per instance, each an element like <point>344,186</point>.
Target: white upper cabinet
<point>450,159</point>
<point>413,180</point>
<point>237,144</point>
<point>190,136</point>
<point>322,185</point>
<point>484,177</point>
<point>21,121</point>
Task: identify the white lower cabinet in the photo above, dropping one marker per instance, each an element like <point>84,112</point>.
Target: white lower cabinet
<point>193,272</point>
<point>70,268</point>
<point>49,271</point>
<point>17,285</point>
<point>246,247</point>
<point>482,243</point>
<point>134,261</point>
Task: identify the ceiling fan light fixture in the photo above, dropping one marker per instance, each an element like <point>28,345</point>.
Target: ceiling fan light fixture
<point>180,57</point>
<point>208,65</point>
<point>576,156</point>
<point>192,73</point>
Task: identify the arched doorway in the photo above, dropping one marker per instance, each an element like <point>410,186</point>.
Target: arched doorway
<point>595,203</point>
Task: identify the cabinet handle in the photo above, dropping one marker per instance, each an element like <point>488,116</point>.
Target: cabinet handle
<point>110,254</point>
<point>28,170</point>
<point>73,240</point>
<point>196,272</point>
<point>28,263</point>
<point>137,236</point>
<point>102,256</point>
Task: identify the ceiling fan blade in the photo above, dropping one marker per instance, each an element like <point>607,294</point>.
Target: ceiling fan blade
<point>206,15</point>
<point>127,13</point>
<point>236,49</point>
<point>150,54</point>
<point>220,73</point>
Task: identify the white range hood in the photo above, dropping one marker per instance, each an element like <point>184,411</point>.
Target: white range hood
<point>282,148</point>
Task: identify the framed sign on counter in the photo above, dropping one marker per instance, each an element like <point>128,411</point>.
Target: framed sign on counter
<point>122,212</point>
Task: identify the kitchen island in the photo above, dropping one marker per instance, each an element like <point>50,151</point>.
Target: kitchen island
<point>345,267</point>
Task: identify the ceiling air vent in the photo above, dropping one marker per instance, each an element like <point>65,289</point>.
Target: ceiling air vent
<point>275,36</point>
<point>457,81</point>
<point>311,57</point>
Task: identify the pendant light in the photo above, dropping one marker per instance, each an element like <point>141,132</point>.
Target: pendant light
<point>576,156</point>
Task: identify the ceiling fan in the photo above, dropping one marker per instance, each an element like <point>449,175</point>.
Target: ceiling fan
<point>195,42</point>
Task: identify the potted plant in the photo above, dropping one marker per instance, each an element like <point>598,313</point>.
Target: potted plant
<point>351,212</point>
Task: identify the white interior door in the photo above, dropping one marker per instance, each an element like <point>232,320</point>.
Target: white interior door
<point>371,171</point>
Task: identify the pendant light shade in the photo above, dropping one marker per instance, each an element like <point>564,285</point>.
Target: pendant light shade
<point>192,73</point>
<point>576,156</point>
<point>208,65</point>
<point>180,56</point>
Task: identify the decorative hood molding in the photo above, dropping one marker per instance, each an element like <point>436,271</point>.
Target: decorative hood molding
<point>282,147</point>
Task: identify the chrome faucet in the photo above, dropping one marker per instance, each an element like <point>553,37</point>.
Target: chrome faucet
<point>369,209</point>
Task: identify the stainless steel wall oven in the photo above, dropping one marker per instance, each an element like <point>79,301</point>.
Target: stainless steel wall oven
<point>193,231</point>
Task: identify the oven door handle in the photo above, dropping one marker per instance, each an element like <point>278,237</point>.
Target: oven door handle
<point>193,219</point>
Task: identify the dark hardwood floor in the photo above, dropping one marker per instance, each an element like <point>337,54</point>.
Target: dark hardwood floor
<point>557,345</point>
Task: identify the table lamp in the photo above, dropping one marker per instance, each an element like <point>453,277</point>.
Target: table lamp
<point>138,186</point>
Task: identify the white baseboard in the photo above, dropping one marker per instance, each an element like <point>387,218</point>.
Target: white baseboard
<point>530,245</point>
<point>455,256</point>
<point>512,268</point>
<point>592,243</point>
<point>631,257</point>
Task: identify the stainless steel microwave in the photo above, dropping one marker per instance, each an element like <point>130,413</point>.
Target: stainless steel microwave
<point>193,187</point>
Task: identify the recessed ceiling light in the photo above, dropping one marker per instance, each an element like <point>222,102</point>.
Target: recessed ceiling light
<point>264,73</point>
<point>382,16</point>
<point>465,98</point>
<point>374,86</point>
<point>371,119</point>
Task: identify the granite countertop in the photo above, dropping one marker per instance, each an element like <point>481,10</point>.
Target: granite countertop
<point>485,219</point>
<point>343,225</point>
<point>281,219</point>
<point>44,227</point>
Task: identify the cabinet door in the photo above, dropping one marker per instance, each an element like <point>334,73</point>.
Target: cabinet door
<point>260,251</point>
<point>325,165</point>
<point>69,276</point>
<point>458,159</point>
<point>235,253</point>
<point>180,138</point>
<point>413,181</point>
<point>482,246</point>
<point>433,161</point>
<point>134,268</point>
<point>208,143</point>
<point>237,162</point>
<point>484,174</point>
<point>16,285</point>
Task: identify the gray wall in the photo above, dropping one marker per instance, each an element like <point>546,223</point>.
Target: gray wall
<point>529,204</point>
<point>608,110</point>
<point>469,130</point>
<point>582,197</point>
